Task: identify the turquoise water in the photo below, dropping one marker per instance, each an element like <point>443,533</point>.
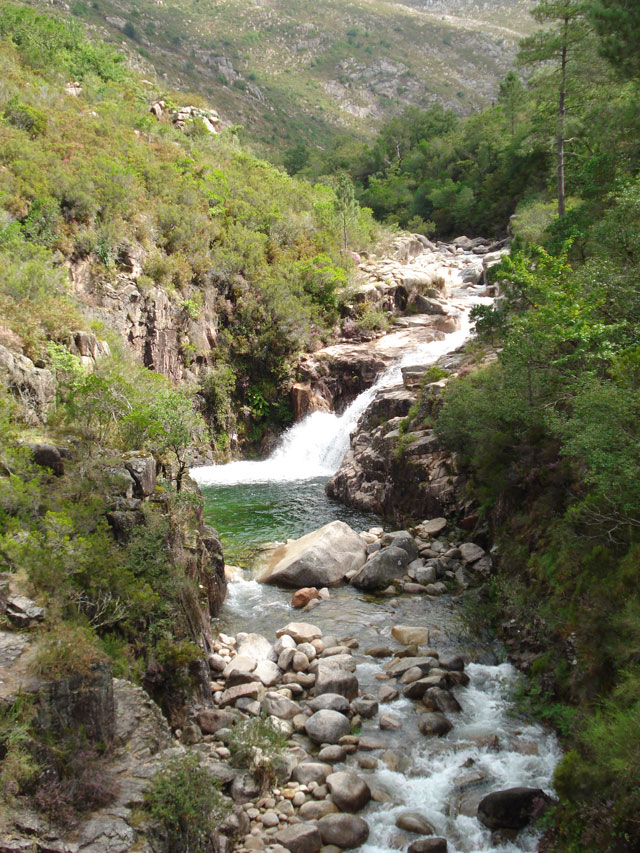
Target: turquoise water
<point>248,516</point>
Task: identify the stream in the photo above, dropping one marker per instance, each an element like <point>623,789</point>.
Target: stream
<point>253,505</point>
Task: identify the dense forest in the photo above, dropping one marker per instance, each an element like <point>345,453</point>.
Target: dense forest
<point>549,435</point>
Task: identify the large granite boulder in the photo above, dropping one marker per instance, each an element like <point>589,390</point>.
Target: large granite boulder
<point>512,808</point>
<point>327,726</point>
<point>383,567</point>
<point>344,830</point>
<point>348,791</point>
<point>321,558</point>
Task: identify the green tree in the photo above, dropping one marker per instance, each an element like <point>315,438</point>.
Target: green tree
<point>169,425</point>
<point>512,97</point>
<point>556,47</point>
<point>617,23</point>
<point>345,204</point>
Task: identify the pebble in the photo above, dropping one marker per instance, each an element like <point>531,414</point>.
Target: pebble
<point>270,819</point>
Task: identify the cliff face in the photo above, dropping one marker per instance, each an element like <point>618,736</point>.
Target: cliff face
<point>395,464</point>
<point>157,326</point>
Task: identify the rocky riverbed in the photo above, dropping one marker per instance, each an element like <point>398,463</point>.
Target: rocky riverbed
<point>398,730</point>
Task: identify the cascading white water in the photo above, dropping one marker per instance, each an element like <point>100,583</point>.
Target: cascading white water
<point>315,446</point>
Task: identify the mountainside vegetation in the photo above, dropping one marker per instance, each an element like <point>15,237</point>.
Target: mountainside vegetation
<point>564,125</point>
<point>298,72</point>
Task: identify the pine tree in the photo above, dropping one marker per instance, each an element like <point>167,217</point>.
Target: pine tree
<point>558,46</point>
<point>617,23</point>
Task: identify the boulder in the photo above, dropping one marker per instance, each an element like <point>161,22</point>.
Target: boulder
<point>210,721</point>
<point>311,771</point>
<point>454,663</point>
<point>336,681</point>
<point>512,808</point>
<point>253,690</point>
<point>348,791</point>
<point>397,667</point>
<point>241,663</point>
<point>327,726</point>
<point>423,305</point>
<point>303,596</point>
<point>268,672</point>
<point>300,838</point>
<point>434,724</point>
<point>365,706</point>
<point>402,539</point>
<point>315,809</point>
<point>431,527</point>
<point>410,635</point>
<point>256,647</point>
<point>414,822</point>
<point>301,632</point>
<point>142,467</point>
<point>383,567</point>
<point>244,788</point>
<point>321,558</point>
<point>344,830</point>
<point>332,754</point>
<point>428,845</point>
<point>471,553</point>
<point>22,611</point>
<point>277,705</point>
<point>330,702</point>
<point>47,456</point>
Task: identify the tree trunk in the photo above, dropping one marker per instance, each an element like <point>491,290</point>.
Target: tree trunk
<point>561,119</point>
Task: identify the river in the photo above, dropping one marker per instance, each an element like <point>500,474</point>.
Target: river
<point>254,504</point>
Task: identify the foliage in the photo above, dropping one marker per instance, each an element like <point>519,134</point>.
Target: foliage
<point>18,768</point>
<point>263,246</point>
<point>76,780</point>
<point>257,745</point>
<point>617,22</point>
<point>64,651</point>
<point>185,800</point>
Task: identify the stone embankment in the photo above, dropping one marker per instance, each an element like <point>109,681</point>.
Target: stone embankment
<point>412,281</point>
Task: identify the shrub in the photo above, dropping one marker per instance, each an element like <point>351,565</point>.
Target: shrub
<point>257,745</point>
<point>187,804</point>
<point>66,649</point>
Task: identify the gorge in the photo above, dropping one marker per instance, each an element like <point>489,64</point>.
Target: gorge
<point>402,609</point>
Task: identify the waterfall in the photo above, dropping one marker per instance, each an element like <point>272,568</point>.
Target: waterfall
<point>315,446</point>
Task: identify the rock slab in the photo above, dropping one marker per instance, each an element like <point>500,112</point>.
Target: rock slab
<point>321,558</point>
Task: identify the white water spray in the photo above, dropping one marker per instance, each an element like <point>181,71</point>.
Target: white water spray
<point>315,446</point>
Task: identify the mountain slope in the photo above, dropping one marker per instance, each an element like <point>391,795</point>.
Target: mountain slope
<point>298,70</point>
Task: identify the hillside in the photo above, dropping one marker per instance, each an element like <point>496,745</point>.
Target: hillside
<point>295,71</point>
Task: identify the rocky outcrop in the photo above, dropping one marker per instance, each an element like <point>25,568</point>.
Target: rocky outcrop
<point>321,558</point>
<point>153,324</point>
<point>395,465</point>
<point>396,473</point>
<point>33,386</point>
<point>79,701</point>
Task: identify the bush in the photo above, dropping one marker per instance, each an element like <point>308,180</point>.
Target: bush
<point>66,650</point>
<point>187,804</point>
<point>256,745</point>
